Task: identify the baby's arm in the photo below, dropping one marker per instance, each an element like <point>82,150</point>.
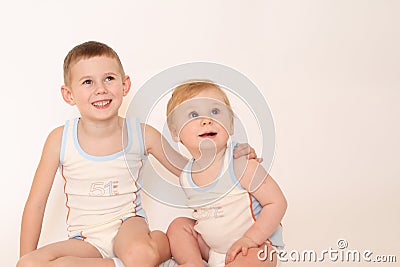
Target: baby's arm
<point>260,184</point>
<point>32,217</point>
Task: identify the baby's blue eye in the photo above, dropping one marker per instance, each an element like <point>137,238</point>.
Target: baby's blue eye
<point>193,114</point>
<point>215,111</point>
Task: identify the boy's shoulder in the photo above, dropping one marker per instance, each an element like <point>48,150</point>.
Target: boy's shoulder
<point>53,142</point>
<point>56,134</point>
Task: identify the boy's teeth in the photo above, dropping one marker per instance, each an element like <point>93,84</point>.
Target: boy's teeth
<point>101,103</point>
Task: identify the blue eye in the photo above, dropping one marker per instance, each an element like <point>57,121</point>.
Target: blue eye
<point>193,114</point>
<point>215,111</point>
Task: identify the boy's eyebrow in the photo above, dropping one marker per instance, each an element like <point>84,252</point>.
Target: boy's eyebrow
<point>90,76</point>
<point>85,77</point>
<point>111,73</point>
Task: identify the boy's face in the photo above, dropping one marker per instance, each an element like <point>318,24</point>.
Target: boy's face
<point>96,87</point>
<point>203,120</point>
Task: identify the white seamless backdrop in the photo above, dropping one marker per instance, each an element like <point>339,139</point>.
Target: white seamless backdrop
<point>329,70</point>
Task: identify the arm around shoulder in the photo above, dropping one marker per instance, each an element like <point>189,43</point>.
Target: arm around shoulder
<point>42,182</point>
<point>156,145</point>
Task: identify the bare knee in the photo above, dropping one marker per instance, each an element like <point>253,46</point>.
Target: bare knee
<point>140,254</point>
<point>29,261</point>
<point>181,224</point>
<point>22,262</point>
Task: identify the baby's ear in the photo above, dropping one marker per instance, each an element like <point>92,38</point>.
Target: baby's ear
<point>174,133</point>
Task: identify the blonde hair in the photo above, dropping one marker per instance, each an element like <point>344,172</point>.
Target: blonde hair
<point>188,90</point>
<point>85,51</point>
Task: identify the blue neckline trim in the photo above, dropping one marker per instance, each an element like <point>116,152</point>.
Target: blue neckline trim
<point>101,158</point>
<point>214,183</point>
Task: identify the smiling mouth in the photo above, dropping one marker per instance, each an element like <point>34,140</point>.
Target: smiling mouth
<point>101,104</point>
<point>210,134</point>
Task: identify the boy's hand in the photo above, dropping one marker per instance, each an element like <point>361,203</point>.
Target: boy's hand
<point>242,245</point>
<point>245,150</point>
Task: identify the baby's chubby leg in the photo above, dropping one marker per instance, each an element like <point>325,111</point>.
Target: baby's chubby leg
<point>187,246</point>
<point>68,253</point>
<point>135,245</point>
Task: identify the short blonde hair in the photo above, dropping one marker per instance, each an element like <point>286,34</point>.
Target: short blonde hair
<point>85,51</point>
<point>188,90</point>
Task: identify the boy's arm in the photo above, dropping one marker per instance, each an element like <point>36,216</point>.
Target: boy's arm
<point>156,145</point>
<point>245,150</point>
<point>262,186</point>
<point>32,217</point>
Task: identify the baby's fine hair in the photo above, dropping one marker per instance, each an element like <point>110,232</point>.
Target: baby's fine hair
<point>85,51</point>
<point>190,89</point>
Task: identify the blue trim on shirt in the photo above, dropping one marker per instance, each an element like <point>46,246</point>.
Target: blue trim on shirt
<point>205,188</point>
<point>235,180</point>
<point>63,142</point>
<point>220,174</point>
<point>129,133</point>
<point>256,206</point>
<point>141,139</point>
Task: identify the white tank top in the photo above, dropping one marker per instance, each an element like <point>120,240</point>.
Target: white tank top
<point>224,210</point>
<point>100,189</point>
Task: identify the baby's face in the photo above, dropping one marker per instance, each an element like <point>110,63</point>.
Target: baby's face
<point>205,117</point>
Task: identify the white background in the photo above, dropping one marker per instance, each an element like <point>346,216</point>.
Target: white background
<point>329,70</point>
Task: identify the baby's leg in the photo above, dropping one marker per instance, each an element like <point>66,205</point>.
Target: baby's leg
<point>69,253</point>
<point>187,246</point>
<point>135,245</point>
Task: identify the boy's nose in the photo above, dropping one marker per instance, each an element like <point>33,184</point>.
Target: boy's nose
<point>101,89</point>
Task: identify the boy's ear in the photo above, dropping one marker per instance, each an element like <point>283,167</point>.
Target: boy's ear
<point>126,84</point>
<point>67,95</point>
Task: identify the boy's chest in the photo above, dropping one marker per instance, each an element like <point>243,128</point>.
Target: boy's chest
<point>102,146</point>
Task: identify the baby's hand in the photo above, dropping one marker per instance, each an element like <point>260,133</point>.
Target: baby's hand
<point>241,150</point>
<point>241,245</point>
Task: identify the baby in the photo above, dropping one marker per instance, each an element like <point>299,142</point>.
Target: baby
<point>237,206</point>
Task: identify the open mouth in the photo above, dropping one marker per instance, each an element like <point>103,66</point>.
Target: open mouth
<point>210,134</point>
<point>101,104</point>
